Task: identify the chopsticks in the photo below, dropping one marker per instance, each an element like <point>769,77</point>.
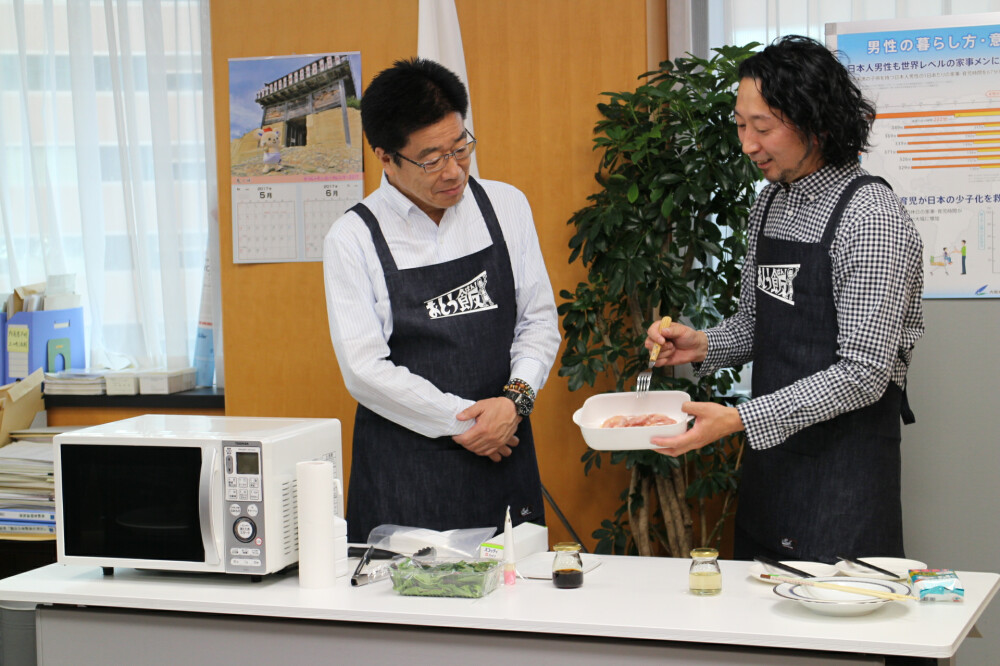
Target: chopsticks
<point>843,588</point>
<point>768,562</point>
<point>861,563</point>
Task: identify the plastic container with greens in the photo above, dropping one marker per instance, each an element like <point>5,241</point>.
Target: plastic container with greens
<point>444,577</point>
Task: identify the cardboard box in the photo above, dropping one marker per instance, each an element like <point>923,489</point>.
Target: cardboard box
<point>3,356</point>
<point>19,402</point>
<point>50,340</point>
<point>161,382</point>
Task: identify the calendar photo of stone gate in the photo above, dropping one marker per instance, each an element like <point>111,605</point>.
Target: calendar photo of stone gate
<point>295,115</point>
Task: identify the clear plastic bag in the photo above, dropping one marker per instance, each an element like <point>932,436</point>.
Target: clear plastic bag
<point>463,543</point>
<point>444,577</point>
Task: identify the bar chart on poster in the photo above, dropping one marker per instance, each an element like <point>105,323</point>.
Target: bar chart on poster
<point>945,139</point>
<point>964,139</point>
<point>936,136</point>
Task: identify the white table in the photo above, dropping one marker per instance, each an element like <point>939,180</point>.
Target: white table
<point>629,609</point>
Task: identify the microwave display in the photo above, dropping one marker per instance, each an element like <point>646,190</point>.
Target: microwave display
<point>132,501</point>
<point>247,463</point>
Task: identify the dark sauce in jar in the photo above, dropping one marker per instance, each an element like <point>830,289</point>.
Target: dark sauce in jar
<point>567,578</point>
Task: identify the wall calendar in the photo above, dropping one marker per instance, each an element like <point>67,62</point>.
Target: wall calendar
<point>295,148</point>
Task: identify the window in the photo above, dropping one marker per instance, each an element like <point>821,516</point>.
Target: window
<point>107,167</point>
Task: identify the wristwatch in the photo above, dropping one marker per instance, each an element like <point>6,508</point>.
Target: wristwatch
<point>522,395</point>
<point>522,402</point>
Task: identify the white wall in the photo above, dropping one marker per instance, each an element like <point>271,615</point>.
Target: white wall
<point>951,455</point>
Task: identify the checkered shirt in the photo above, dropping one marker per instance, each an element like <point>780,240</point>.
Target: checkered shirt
<point>877,289</point>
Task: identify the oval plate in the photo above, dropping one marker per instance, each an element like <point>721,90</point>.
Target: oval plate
<point>842,604</point>
<point>814,568</point>
<point>899,565</point>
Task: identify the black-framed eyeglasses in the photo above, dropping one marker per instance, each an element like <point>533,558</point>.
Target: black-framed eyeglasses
<point>438,163</point>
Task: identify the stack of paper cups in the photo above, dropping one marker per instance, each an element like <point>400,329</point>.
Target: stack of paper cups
<point>317,540</point>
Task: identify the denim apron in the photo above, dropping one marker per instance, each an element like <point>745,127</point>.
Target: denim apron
<point>452,324</point>
<point>833,487</point>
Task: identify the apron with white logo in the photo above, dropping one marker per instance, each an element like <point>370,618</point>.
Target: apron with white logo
<point>833,487</point>
<point>452,324</point>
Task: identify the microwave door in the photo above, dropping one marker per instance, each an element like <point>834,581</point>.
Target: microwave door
<point>209,505</point>
<point>140,502</point>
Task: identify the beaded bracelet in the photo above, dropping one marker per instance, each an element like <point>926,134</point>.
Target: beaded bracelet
<point>520,386</point>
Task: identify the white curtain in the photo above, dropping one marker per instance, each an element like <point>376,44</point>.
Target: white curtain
<point>103,168</point>
<point>439,38</point>
<point>744,21</point>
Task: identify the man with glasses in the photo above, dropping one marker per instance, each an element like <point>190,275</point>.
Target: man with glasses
<point>442,318</point>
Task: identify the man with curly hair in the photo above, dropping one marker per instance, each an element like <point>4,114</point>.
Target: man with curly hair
<point>829,311</point>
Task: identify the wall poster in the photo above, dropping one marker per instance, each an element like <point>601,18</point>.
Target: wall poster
<point>936,138</point>
<point>295,149</point>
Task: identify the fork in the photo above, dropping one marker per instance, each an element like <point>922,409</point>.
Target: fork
<point>645,377</point>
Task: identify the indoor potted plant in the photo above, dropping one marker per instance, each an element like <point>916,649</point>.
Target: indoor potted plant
<point>665,235</point>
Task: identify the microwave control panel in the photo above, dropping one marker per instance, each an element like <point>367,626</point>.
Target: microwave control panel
<point>244,548</point>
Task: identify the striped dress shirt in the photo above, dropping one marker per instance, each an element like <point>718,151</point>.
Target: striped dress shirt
<point>360,313</point>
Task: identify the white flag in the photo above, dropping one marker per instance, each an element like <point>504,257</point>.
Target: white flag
<point>439,38</point>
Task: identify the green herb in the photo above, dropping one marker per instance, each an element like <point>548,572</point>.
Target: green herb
<point>451,579</point>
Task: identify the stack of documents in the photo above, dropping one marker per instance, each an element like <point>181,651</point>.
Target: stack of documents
<point>75,382</point>
<point>27,492</point>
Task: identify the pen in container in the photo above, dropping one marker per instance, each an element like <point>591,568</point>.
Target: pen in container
<point>509,567</point>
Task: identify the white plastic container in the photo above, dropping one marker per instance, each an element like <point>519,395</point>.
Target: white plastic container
<point>162,382</point>
<point>121,383</point>
<point>597,409</point>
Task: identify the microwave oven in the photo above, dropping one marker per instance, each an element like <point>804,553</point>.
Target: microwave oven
<point>187,493</point>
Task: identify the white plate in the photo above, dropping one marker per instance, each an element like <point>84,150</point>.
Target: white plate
<point>898,565</point>
<point>597,409</point>
<point>837,603</point>
<point>814,568</point>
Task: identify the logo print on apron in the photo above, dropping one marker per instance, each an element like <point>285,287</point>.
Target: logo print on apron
<point>469,298</point>
<point>776,281</point>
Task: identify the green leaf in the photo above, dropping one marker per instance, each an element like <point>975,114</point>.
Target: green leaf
<point>667,206</point>
<point>633,193</point>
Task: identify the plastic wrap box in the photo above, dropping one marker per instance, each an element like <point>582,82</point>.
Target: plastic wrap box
<point>48,339</point>
<point>121,383</point>
<point>161,382</point>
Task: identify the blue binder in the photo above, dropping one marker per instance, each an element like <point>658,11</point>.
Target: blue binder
<point>48,339</point>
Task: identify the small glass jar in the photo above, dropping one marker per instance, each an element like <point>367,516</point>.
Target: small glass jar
<point>567,567</point>
<point>705,576</point>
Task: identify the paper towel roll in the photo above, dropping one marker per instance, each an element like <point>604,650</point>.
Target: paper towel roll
<point>317,539</point>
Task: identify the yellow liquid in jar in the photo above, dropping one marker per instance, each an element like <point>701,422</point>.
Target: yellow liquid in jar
<point>705,583</point>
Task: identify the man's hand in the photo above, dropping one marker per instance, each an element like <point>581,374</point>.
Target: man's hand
<point>679,344</point>
<point>493,434</point>
<point>712,422</point>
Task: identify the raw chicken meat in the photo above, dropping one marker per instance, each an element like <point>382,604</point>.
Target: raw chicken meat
<point>634,420</point>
